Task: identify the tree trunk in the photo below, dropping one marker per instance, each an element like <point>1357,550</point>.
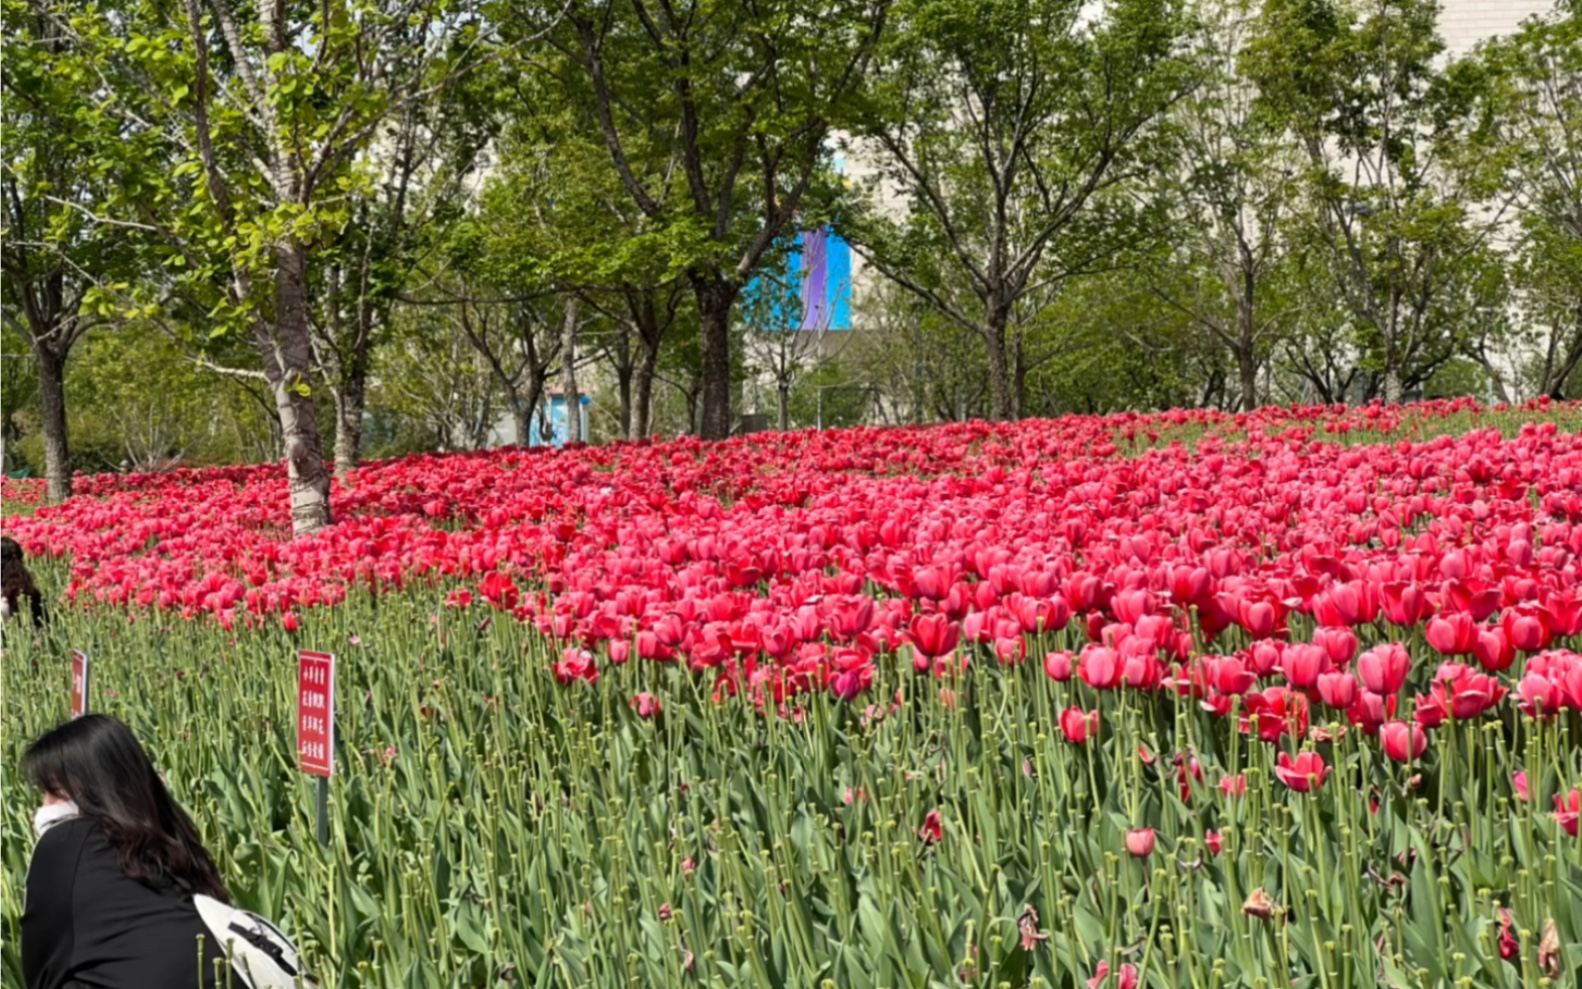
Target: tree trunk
<point>1392,385</point>
<point>1246,351</point>
<point>522,416</point>
<point>52,409</point>
<point>1555,378</point>
<point>692,411</point>
<point>569,379</point>
<point>716,297</point>
<point>350,401</point>
<point>623,378</point>
<point>287,354</point>
<point>643,395</point>
<point>1018,380</point>
<point>530,406</point>
<point>1001,404</point>
<point>1247,370</point>
<point>352,398</point>
<point>784,417</point>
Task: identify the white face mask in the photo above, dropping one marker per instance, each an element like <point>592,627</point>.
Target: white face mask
<point>50,815</point>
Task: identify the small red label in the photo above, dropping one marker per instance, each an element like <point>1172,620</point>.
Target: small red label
<point>316,713</point>
<point>79,683</point>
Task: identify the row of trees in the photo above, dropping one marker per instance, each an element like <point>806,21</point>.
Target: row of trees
<point>396,222</point>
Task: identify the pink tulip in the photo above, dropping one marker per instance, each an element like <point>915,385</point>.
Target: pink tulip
<point>1078,725</point>
<point>1403,741</point>
<point>1140,842</point>
<point>1100,667</point>
<point>1337,690</point>
<point>1383,669</point>
<point>1057,666</point>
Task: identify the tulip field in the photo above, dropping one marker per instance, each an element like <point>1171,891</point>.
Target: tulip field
<point>1186,699</point>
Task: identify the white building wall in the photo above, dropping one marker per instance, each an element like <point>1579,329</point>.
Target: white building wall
<point>1464,23</point>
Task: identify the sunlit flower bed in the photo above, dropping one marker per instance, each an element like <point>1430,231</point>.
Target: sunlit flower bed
<point>1178,699</point>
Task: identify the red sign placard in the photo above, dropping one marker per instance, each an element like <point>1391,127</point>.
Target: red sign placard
<point>316,713</point>
<point>79,683</point>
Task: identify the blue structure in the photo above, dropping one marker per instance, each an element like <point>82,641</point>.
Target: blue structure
<point>557,421</point>
<point>819,265</point>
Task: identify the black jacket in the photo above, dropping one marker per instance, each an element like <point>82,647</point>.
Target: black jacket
<point>85,923</point>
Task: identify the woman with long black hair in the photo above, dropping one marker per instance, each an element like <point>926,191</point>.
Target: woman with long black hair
<point>110,887</point>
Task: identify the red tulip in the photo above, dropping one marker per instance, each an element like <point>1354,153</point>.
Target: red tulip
<point>576,664</point>
<point>1303,664</point>
<point>1403,741</point>
<point>1229,675</point>
<point>1264,657</point>
<point>1057,666</point>
<point>1464,692</point>
<point>1234,786</point>
<point>933,829</point>
<point>1100,667</point>
<point>1079,725</point>
<point>1339,643</point>
<point>1494,650</point>
<point>1510,945</point>
<point>1569,811</point>
<point>1527,627</point>
<point>1429,711</point>
<point>1383,669</point>
<point>1354,603</point>
<point>499,590</point>
<point>1278,712</point>
<point>933,635</point>
<point>1307,771</point>
<point>1213,841</point>
<point>1371,711</point>
<point>1337,690</point>
<point>1540,696</point>
<point>1140,842</point>
<point>1038,616</point>
<point>1453,635</point>
<point>645,704</point>
<point>1519,786</point>
<point>1405,603</point>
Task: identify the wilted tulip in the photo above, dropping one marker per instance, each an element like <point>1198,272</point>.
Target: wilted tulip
<point>1258,904</point>
<point>1027,927</point>
<point>1125,978</point>
<point>1549,948</point>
